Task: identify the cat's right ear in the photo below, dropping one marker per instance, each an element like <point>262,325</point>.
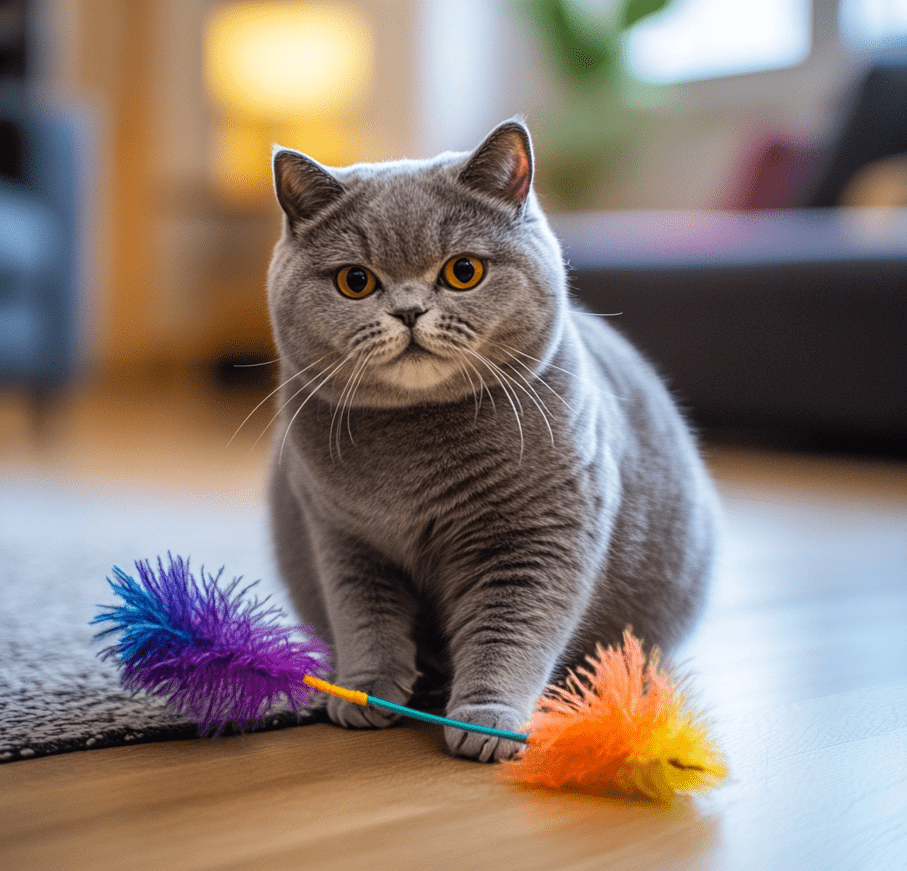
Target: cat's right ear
<point>302,186</point>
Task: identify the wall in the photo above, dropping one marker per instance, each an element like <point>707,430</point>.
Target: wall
<point>694,134</point>
<point>178,277</point>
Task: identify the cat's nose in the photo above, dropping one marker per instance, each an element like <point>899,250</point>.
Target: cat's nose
<point>408,315</point>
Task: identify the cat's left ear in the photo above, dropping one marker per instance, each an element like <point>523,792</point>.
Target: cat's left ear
<point>502,165</point>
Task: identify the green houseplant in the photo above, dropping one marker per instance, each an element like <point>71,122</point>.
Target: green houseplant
<point>592,132</point>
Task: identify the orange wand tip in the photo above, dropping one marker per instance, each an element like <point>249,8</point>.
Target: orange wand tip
<point>354,696</point>
<point>621,726</point>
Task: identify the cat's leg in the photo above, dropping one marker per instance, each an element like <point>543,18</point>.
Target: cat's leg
<point>295,556</point>
<point>298,569</point>
<point>508,626</point>
<point>371,609</point>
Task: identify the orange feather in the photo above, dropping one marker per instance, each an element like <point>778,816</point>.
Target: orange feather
<point>621,726</point>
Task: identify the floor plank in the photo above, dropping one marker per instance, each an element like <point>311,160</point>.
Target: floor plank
<point>800,658</point>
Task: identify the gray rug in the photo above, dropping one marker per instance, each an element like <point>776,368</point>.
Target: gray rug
<point>57,545</point>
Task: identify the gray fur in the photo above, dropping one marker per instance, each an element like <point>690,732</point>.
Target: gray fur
<point>482,523</point>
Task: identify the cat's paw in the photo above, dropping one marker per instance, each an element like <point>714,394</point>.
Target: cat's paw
<point>484,748</point>
<point>353,716</point>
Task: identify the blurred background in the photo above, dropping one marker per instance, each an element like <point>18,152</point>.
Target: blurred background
<point>674,138</point>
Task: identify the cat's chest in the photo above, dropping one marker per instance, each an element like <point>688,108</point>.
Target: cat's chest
<point>400,462</point>
<point>388,475</point>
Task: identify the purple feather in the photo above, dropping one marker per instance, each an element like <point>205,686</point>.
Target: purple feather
<point>217,658</point>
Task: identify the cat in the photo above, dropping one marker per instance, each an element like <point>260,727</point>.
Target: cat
<point>474,479</point>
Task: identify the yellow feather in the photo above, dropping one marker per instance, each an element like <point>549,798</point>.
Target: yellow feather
<point>679,755</point>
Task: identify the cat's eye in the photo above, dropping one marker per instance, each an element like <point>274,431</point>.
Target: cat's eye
<point>356,281</point>
<point>463,272</point>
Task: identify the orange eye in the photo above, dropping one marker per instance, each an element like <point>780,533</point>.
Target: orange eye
<point>463,272</point>
<point>356,281</point>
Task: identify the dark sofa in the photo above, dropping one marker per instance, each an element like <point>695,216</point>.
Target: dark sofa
<point>787,327</point>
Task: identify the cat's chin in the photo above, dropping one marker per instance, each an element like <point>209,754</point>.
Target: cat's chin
<point>417,372</point>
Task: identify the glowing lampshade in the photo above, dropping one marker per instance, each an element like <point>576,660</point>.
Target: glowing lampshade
<point>281,60</point>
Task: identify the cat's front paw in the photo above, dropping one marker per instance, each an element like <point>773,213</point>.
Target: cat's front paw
<point>353,716</point>
<point>485,748</point>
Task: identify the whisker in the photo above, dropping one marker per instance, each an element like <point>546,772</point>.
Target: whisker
<point>282,407</point>
<point>527,382</point>
<point>250,365</point>
<point>537,360</point>
<point>603,392</point>
<point>484,388</point>
<point>532,393</point>
<point>341,402</point>
<point>541,381</point>
<point>457,346</point>
<point>533,396</point>
<point>304,401</point>
<point>349,404</point>
<point>497,369</point>
<point>503,387</point>
<point>275,390</point>
<point>337,410</point>
<point>477,397</point>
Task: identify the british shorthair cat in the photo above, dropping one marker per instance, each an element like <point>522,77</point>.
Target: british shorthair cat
<point>475,480</point>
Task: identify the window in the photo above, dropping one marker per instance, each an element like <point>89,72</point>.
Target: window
<point>702,39</point>
<point>869,23</point>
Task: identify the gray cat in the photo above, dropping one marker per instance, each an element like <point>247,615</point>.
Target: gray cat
<point>475,480</point>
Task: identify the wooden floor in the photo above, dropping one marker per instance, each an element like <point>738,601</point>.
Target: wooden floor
<point>801,659</point>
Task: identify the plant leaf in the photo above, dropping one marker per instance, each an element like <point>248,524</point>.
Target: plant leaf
<point>636,10</point>
<point>581,54</point>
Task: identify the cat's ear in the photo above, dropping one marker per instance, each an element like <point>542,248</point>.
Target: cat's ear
<point>502,165</point>
<point>303,187</point>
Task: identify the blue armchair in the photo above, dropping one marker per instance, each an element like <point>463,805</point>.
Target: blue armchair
<point>41,220</point>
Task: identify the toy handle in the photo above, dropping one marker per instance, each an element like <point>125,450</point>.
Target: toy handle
<point>359,698</point>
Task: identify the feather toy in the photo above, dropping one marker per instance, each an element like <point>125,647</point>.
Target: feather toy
<point>217,659</point>
<point>621,726</point>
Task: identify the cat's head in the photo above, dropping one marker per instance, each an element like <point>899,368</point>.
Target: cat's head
<point>415,281</point>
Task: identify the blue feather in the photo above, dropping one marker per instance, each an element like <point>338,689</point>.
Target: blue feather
<point>215,657</point>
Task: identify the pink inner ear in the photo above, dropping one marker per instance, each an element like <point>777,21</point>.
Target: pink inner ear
<point>520,178</point>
